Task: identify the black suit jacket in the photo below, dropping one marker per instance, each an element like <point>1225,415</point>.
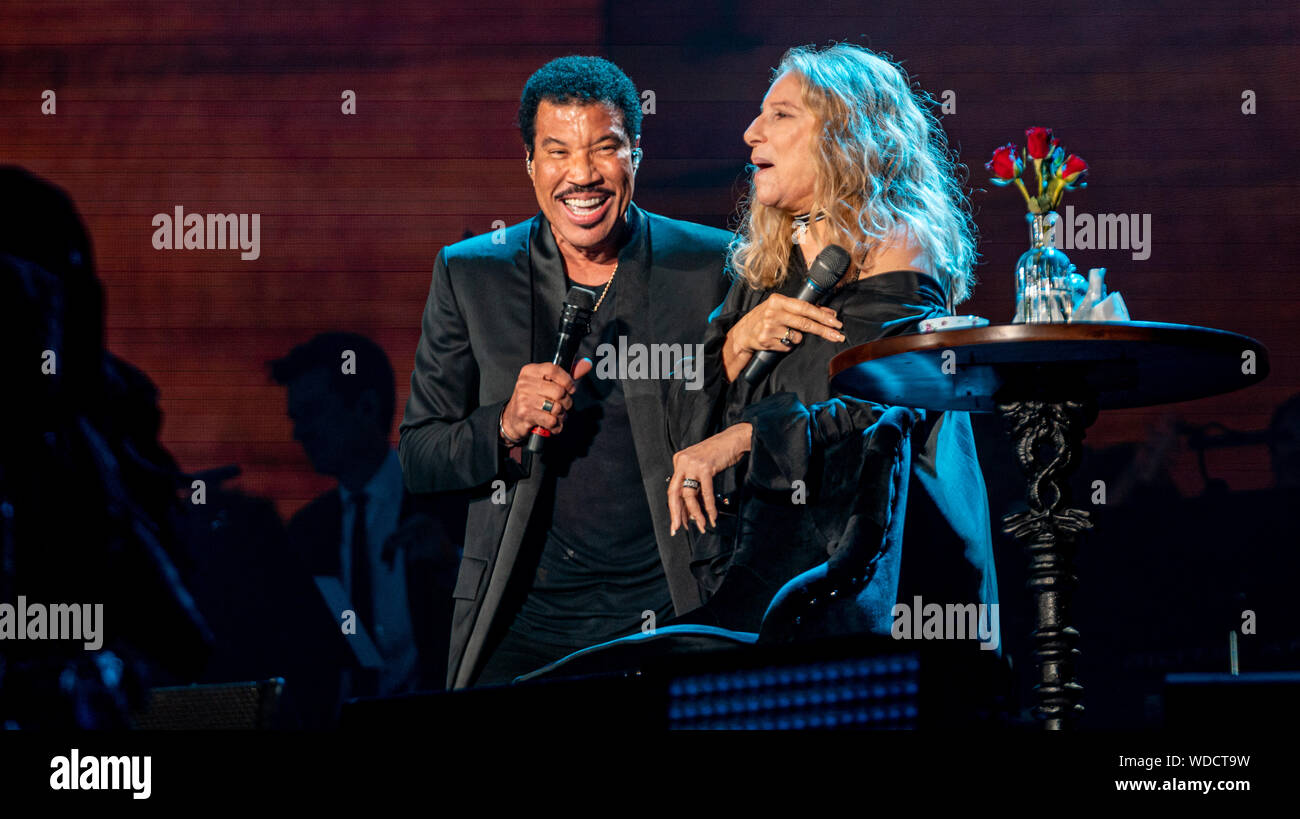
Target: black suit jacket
<point>493,307</point>
<point>430,556</point>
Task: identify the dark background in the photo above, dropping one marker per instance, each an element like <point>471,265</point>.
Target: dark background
<point>236,108</point>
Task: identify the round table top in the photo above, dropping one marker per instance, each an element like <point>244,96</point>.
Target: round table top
<point>1127,364</point>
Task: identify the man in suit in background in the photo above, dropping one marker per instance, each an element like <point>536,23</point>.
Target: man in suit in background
<point>395,553</point>
<point>576,551</point>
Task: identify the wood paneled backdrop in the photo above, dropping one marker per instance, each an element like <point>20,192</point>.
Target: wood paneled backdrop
<point>237,109</point>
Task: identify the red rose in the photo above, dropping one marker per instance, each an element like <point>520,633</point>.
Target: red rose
<point>1005,164</point>
<point>1071,168</point>
<point>1039,142</point>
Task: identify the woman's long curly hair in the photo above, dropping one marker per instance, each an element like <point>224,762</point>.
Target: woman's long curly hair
<point>882,165</point>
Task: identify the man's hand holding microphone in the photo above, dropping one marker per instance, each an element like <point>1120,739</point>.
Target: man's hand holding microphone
<point>542,396</point>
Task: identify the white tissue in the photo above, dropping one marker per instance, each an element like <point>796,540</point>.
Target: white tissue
<point>1096,304</point>
<point>1112,308</point>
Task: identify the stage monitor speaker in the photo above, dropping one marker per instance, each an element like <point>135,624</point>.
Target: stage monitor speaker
<point>230,706</point>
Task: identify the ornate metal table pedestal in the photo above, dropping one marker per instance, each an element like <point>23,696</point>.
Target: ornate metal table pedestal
<point>1047,430</point>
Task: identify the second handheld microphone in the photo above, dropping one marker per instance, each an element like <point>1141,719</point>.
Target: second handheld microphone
<point>826,271</point>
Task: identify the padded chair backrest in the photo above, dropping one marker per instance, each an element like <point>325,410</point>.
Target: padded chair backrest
<point>854,590</point>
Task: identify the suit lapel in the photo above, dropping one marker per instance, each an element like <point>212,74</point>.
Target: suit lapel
<point>540,262</point>
<point>634,306</point>
<point>546,276</point>
<point>641,292</point>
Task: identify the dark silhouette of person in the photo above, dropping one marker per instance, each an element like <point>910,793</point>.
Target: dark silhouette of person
<point>197,585</point>
<point>259,598</point>
<point>395,553</point>
<point>88,505</point>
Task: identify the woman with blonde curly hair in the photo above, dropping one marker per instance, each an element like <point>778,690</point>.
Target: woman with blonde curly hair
<point>843,152</point>
<point>863,164</point>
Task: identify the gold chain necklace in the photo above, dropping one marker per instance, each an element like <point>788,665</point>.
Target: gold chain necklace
<point>606,290</point>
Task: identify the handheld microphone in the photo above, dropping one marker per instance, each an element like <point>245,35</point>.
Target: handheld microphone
<point>826,271</point>
<point>575,323</point>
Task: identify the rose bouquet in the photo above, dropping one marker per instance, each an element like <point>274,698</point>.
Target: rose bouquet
<point>1056,171</point>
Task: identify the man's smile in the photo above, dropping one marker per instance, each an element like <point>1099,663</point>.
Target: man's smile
<point>587,208</point>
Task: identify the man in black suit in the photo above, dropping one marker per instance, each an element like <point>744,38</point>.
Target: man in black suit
<point>577,551</point>
<point>395,553</point>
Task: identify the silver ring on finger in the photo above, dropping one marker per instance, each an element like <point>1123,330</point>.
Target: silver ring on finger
<point>690,483</point>
<point>785,339</point>
<point>548,405</point>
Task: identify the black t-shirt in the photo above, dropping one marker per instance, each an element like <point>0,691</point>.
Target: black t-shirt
<point>599,569</point>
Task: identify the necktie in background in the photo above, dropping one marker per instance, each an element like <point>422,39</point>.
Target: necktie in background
<point>363,592</point>
<point>362,586</point>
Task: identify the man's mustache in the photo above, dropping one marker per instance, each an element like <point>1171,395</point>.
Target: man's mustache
<point>580,191</point>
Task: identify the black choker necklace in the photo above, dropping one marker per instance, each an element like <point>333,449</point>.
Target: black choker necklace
<point>801,225</point>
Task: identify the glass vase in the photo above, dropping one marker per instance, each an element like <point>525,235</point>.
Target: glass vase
<point>1047,286</point>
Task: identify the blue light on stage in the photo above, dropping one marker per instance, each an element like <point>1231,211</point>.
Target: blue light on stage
<point>865,693</point>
